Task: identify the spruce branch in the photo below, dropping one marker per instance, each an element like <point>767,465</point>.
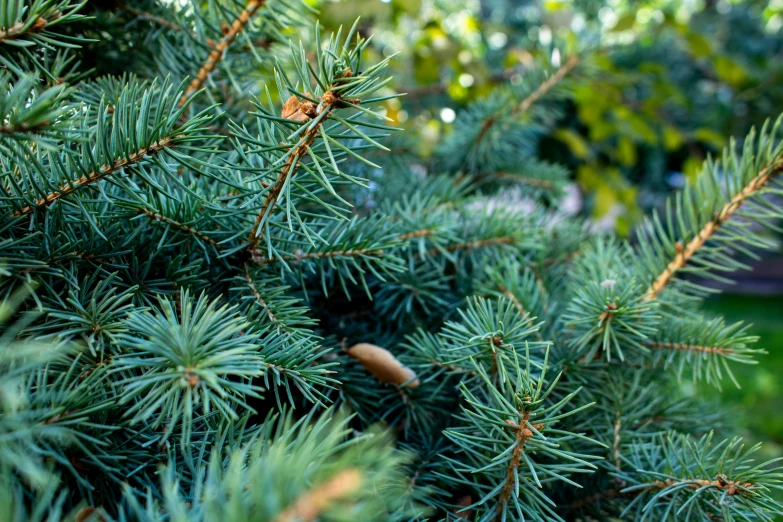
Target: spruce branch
<point>705,346</point>
<point>682,478</point>
<point>95,176</point>
<point>33,117</point>
<point>522,434</point>
<point>268,303</point>
<point>185,357</point>
<point>121,212</point>
<point>257,295</point>
<point>707,215</point>
<point>327,102</point>
<point>607,315</point>
<point>141,129</point>
<point>492,134</point>
<point>520,286</point>
<point>29,22</point>
<point>659,345</point>
<point>298,150</point>
<point>159,218</point>
<point>30,27</point>
<point>325,471</point>
<point>686,252</point>
<point>216,55</point>
<point>151,18</point>
<point>359,252</point>
<point>505,435</point>
<point>20,29</point>
<point>547,85</point>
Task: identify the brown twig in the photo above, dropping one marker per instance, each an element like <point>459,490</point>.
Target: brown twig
<point>532,98</point>
<point>328,101</point>
<point>341,253</point>
<point>523,434</point>
<point>546,86</point>
<point>660,345</point>
<point>92,177</point>
<point>317,255</point>
<point>470,245</point>
<point>258,297</point>
<point>179,226</point>
<point>618,424</point>
<point>23,128</point>
<point>152,18</point>
<point>685,254</point>
<point>721,483</point>
<point>508,294</point>
<point>259,260</point>
<point>418,233</point>
<point>216,55</point>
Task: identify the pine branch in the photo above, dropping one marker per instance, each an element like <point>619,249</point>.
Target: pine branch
<point>257,296</point>
<point>319,114</point>
<point>473,245</point>
<point>138,13</point>
<point>359,252</point>
<point>23,29</point>
<point>689,347</point>
<point>532,98</point>
<point>216,55</point>
<point>522,433</point>
<point>179,226</point>
<point>685,253</point>
<point>95,176</point>
<point>545,87</point>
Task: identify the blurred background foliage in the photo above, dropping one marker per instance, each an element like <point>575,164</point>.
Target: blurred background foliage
<point>669,82</point>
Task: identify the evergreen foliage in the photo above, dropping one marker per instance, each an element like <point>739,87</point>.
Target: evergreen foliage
<point>191,251</point>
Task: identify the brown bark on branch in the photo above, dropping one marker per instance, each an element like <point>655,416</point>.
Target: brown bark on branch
<point>179,226</point>
<point>216,55</point>
<point>523,434</point>
<point>328,101</point>
<point>545,87</point>
<point>686,253</point>
<point>93,177</point>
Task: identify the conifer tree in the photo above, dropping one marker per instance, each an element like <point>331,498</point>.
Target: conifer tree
<point>217,307</point>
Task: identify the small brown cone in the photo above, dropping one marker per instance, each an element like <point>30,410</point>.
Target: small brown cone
<point>298,110</point>
<point>383,365</point>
